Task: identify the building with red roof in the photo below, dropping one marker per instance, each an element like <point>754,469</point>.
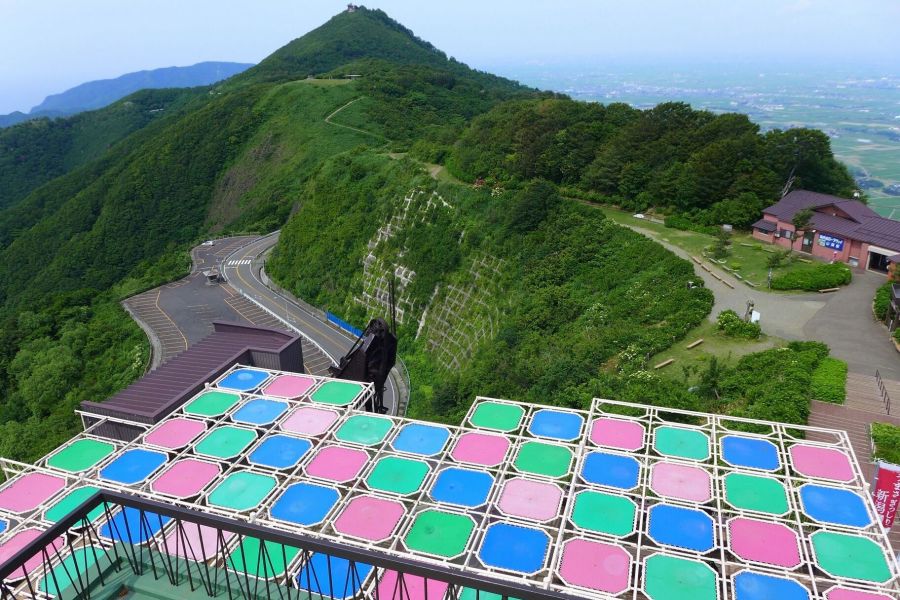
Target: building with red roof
<point>840,229</point>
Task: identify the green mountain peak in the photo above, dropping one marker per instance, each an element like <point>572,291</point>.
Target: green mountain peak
<point>347,37</point>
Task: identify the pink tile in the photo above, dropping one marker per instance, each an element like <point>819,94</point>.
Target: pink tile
<point>411,587</point>
<point>824,463</point>
<point>196,542</point>
<point>596,566</point>
<point>29,491</point>
<point>369,518</point>
<point>839,593</point>
<point>14,544</point>
<point>617,433</point>
<point>530,499</point>
<point>175,433</point>
<point>681,481</point>
<point>289,386</point>
<point>480,449</point>
<point>307,420</point>
<point>337,464</point>
<point>764,542</point>
<point>185,478</point>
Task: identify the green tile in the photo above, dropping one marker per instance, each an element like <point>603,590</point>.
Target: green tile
<point>749,492</point>
<point>498,416</point>
<point>440,533</point>
<point>211,404</point>
<point>544,459</point>
<point>681,442</point>
<point>604,513</point>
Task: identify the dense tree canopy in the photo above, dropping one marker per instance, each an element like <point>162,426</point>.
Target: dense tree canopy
<point>718,168</point>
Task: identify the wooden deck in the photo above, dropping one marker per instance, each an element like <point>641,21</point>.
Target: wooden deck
<point>863,407</point>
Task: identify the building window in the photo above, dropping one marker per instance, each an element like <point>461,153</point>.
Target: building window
<point>785,233</point>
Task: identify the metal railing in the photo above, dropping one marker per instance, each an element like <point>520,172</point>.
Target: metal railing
<point>88,554</point>
<point>885,397</point>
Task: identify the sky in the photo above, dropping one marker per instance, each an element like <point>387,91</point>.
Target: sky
<point>48,46</point>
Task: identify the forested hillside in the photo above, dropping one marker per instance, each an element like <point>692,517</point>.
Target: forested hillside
<point>510,289</point>
<point>514,293</point>
<point>134,193</point>
<point>40,150</point>
<point>712,168</point>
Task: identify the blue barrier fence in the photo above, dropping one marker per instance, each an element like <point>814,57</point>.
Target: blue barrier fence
<point>333,318</point>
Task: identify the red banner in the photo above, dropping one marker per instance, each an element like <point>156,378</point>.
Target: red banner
<point>887,493</point>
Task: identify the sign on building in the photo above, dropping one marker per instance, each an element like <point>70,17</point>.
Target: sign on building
<point>887,493</point>
<point>829,241</point>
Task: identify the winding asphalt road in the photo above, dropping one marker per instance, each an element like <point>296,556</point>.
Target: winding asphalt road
<point>243,268</point>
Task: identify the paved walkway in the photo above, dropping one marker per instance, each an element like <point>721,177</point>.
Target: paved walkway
<point>783,315</point>
<point>846,324</point>
<point>842,319</point>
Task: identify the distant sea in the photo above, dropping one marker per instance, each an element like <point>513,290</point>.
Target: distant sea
<point>859,108</point>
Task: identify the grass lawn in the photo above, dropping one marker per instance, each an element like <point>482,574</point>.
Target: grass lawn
<point>728,350</point>
<point>748,256</point>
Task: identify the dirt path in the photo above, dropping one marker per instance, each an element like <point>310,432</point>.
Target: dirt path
<point>356,129</point>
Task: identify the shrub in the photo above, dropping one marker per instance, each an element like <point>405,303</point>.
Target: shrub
<point>814,277</point>
<point>729,323</point>
<point>772,385</point>
<point>685,224</point>
<point>882,301</point>
<point>887,442</point>
<point>778,259</point>
<point>829,381</point>
<point>896,334</point>
<point>820,349</point>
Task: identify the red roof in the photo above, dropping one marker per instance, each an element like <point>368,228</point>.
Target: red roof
<point>863,224</point>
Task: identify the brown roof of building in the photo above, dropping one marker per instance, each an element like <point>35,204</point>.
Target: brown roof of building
<point>864,223</point>
<point>764,225</point>
<point>168,386</point>
<point>795,201</point>
<point>880,232</point>
<point>831,224</point>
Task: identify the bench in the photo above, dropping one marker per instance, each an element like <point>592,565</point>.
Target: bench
<point>664,363</point>
<point>694,344</point>
<point>829,290</point>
